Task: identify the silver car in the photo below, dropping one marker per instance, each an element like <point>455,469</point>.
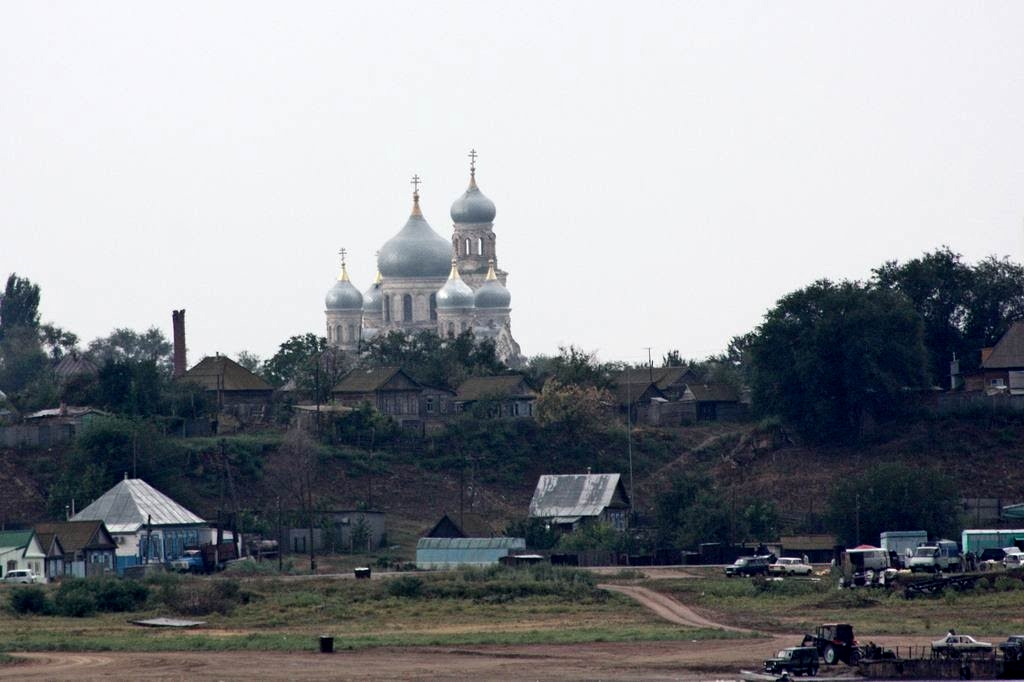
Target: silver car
<point>21,575</point>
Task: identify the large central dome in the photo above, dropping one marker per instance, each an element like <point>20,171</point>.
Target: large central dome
<point>416,251</point>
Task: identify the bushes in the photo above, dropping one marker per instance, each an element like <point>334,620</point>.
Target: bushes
<point>29,600</point>
<point>199,597</point>
<point>499,584</point>
<point>81,597</point>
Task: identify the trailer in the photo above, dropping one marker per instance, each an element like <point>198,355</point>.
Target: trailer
<point>899,541</point>
<point>978,540</point>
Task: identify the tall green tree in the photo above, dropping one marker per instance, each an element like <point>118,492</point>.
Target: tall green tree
<point>435,361</point>
<point>831,354</point>
<point>692,509</point>
<point>19,306</point>
<point>309,361</point>
<point>893,496</point>
<point>963,307</point>
<point>124,344</point>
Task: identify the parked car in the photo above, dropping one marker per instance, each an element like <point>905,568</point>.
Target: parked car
<point>21,575</point>
<point>748,565</point>
<point>790,566</point>
<point>1013,648</point>
<point>1012,558</point>
<point>955,645</point>
<point>796,660</point>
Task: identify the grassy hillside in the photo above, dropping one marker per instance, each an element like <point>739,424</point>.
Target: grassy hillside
<point>491,468</point>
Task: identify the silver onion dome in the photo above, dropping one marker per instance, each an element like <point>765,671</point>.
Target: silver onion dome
<point>416,251</point>
<point>492,293</point>
<point>373,300</point>
<point>473,206</point>
<point>455,293</point>
<point>343,295</point>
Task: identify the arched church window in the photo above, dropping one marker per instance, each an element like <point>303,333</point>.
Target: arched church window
<point>351,332</point>
<point>479,246</point>
<point>406,308</point>
<point>330,333</point>
<point>462,326</point>
<point>387,308</point>
<point>337,334</point>
<point>466,252</point>
<point>433,307</point>
<point>451,329</point>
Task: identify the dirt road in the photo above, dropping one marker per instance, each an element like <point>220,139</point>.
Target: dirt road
<point>668,608</point>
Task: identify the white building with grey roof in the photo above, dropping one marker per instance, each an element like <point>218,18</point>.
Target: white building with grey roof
<point>145,523</point>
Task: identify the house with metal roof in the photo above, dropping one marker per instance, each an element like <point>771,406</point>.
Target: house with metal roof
<point>566,501</point>
<point>88,548</point>
<point>1002,365</point>
<point>146,525</point>
<point>20,549</point>
<point>503,396</point>
<point>53,551</point>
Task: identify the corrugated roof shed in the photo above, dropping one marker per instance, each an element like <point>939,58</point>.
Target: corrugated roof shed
<point>451,552</point>
<point>221,373</point>
<point>662,377</point>
<point>1008,353</point>
<point>566,498</point>
<point>131,502</point>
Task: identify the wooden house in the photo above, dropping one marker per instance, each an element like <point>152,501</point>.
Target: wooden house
<point>89,548</point>
<point>570,500</point>
<point>501,396</point>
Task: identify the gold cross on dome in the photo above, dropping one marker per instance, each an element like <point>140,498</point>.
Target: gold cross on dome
<point>415,182</point>
<point>342,252</point>
<point>472,159</point>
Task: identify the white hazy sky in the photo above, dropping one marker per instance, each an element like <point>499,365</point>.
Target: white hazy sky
<point>663,171</point>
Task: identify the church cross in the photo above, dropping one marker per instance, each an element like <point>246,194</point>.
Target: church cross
<point>342,252</point>
<point>472,160</point>
<point>415,182</point>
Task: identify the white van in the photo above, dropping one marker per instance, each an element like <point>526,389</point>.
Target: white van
<point>944,555</point>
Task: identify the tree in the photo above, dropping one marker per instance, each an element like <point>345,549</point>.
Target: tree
<point>572,365</point>
<point>310,362</point>
<point>572,407</point>
<point>435,361</point>
<point>19,306</point>
<point>893,496</point>
<point>831,354</point>
<point>250,361</point>
<point>128,345</point>
<point>131,387</point>
<point>693,510</point>
<point>964,308</point>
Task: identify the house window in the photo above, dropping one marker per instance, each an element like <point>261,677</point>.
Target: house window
<point>515,409</point>
<point>617,518</point>
<point>407,308</point>
<point>996,382</point>
<point>430,405</point>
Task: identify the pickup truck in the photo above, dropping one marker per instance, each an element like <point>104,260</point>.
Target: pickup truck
<point>205,558</point>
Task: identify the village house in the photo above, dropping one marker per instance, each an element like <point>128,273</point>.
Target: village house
<point>501,396</point>
<point>53,563</point>
<point>20,549</point>
<point>712,402</point>
<point>568,501</point>
<point>463,525</point>
<point>1002,365</point>
<point>146,525</point>
<point>51,426</point>
<point>237,391</point>
<point>395,394</point>
<point>88,547</point>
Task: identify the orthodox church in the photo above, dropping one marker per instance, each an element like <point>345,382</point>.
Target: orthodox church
<point>426,282</point>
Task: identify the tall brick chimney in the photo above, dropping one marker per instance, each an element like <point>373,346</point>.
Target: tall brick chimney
<point>178,322</point>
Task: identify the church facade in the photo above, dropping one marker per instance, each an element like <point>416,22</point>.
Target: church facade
<point>427,282</point>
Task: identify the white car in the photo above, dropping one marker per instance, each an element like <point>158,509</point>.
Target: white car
<point>954,645</point>
<point>790,566</point>
<point>21,575</point>
<point>1013,558</point>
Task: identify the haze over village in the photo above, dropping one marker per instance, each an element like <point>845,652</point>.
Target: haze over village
<point>657,340</point>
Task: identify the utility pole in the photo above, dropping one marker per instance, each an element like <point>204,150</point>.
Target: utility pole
<point>629,440</point>
<point>650,364</point>
<point>280,539</point>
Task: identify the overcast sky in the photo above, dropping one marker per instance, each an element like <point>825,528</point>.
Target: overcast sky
<point>663,172</point>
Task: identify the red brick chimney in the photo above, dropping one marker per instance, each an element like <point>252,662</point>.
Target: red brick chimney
<point>178,321</point>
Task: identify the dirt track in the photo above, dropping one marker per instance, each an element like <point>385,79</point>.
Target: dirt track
<point>668,608</point>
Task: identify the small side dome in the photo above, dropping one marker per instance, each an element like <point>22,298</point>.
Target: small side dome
<point>373,300</point>
<point>473,206</point>
<point>343,295</point>
<point>416,251</point>
<point>492,293</point>
<point>455,293</point>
